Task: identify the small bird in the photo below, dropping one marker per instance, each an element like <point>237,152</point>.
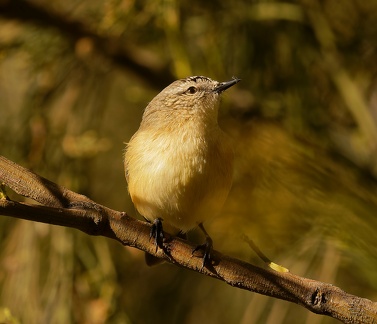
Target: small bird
<point>179,163</point>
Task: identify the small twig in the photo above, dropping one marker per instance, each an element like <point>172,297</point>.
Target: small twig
<point>262,256</point>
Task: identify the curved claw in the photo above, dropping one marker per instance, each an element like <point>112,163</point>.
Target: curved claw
<point>207,247</point>
<point>157,233</point>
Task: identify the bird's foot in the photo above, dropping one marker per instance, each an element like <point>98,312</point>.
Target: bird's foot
<point>157,233</point>
<point>207,247</point>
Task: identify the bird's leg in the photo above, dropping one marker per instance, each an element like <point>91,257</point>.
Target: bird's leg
<point>207,246</point>
<point>157,233</point>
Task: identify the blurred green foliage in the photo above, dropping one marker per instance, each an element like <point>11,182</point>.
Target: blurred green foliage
<point>303,121</point>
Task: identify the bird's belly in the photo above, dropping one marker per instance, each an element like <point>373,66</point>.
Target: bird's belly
<point>184,188</point>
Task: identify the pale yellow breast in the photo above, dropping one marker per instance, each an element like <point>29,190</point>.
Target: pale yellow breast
<point>182,178</point>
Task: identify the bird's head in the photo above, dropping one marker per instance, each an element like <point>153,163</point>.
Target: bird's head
<point>192,96</point>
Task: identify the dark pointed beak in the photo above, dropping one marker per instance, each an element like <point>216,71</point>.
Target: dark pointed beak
<point>225,85</point>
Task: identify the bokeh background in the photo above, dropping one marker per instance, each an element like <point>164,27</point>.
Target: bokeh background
<point>75,77</point>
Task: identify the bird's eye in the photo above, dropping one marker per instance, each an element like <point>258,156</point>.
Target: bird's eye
<point>191,90</point>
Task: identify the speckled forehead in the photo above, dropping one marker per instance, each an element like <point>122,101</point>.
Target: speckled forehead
<point>198,78</point>
<point>182,84</point>
<point>199,81</point>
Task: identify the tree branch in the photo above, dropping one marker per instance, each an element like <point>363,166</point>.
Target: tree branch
<point>67,208</point>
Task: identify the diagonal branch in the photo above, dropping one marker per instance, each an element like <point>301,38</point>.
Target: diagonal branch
<point>66,208</point>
